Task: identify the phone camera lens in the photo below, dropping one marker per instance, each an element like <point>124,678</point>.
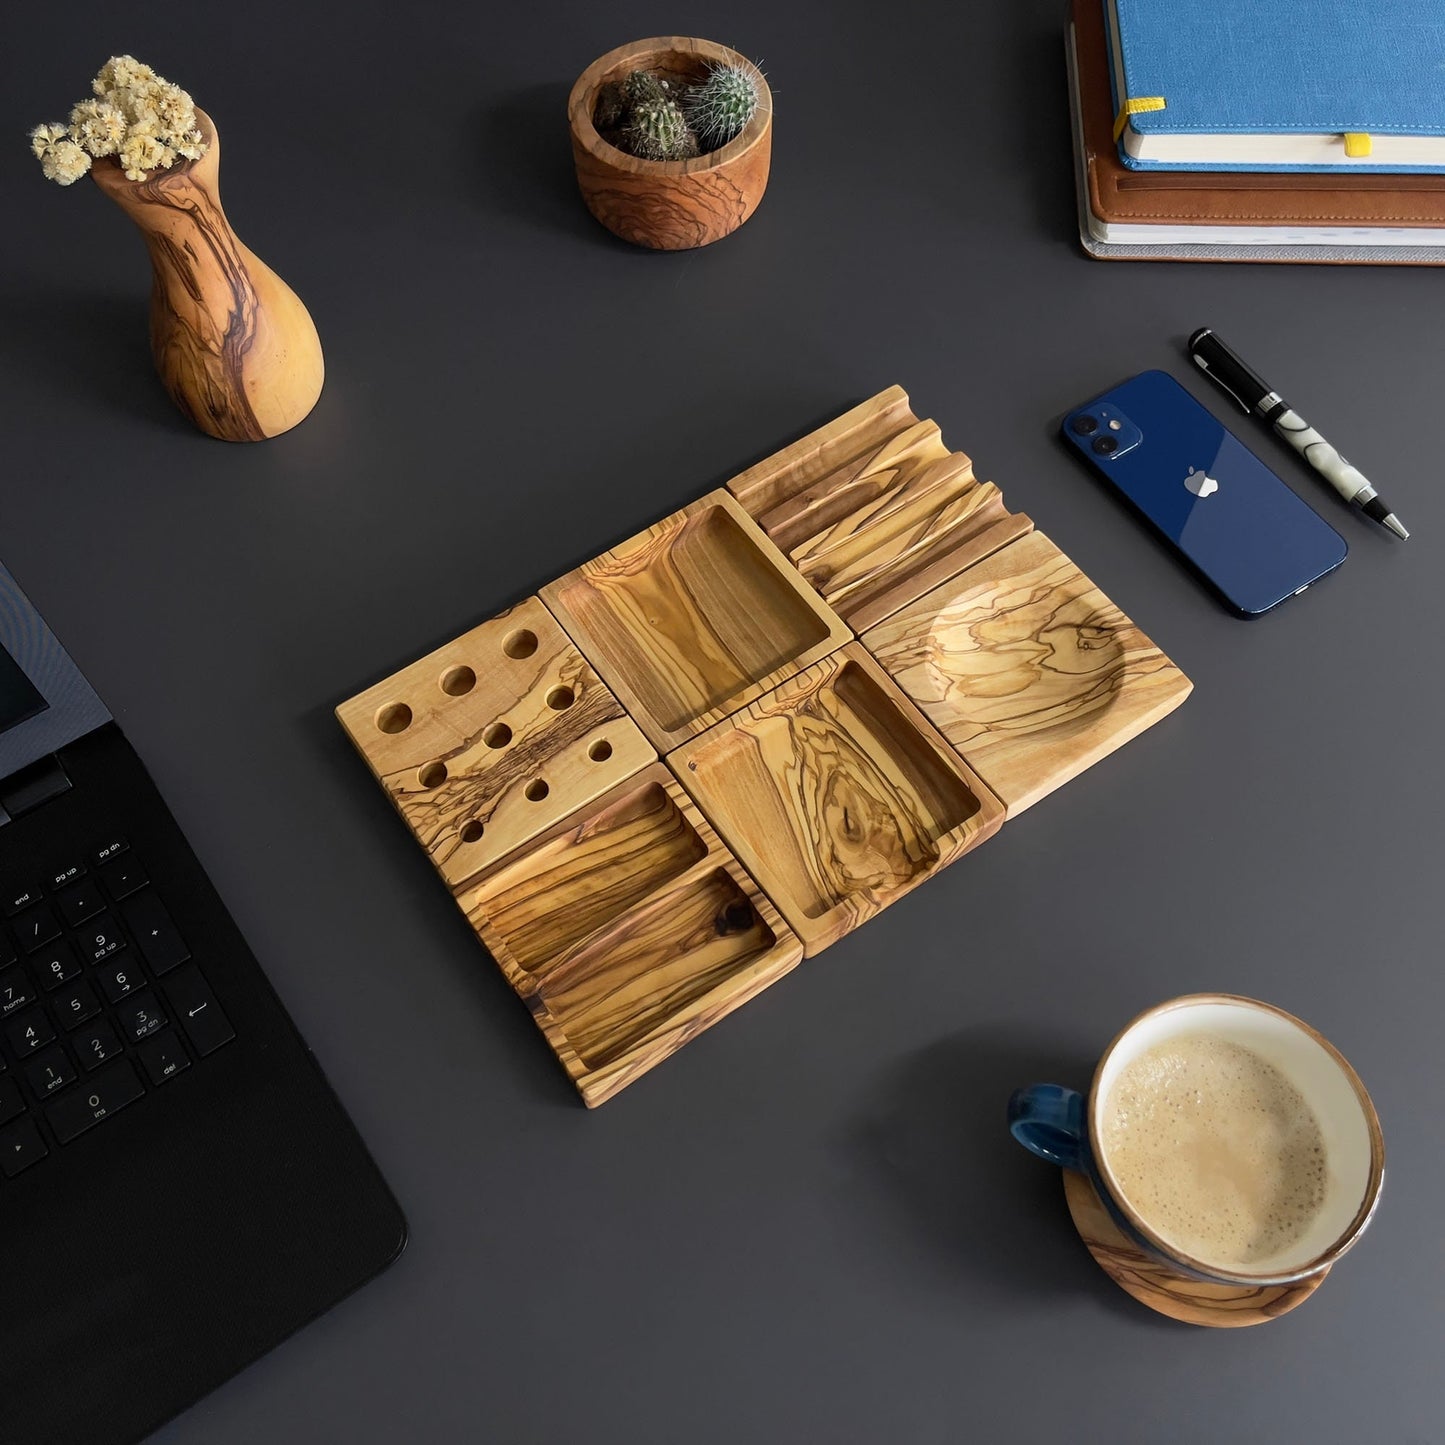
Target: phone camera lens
<point>1105,445</point>
<point>1086,425</point>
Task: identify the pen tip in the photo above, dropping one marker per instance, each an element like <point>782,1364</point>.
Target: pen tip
<point>1396,526</point>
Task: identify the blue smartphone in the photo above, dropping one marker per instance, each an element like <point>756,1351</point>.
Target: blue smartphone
<point>1232,519</point>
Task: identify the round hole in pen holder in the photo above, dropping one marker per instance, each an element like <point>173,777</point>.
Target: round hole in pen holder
<point>458,681</point>
<point>433,775</point>
<point>600,751</point>
<point>395,717</point>
<point>561,698</point>
<point>497,735</point>
<point>536,790</point>
<point>520,644</point>
<point>472,831</point>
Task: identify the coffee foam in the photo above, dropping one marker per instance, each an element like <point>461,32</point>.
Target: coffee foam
<point>1215,1150</point>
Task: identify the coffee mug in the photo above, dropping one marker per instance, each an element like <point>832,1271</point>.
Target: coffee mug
<point>1269,1183</point>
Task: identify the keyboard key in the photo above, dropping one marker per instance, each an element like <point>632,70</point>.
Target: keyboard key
<point>20,1147</point>
<point>196,1007</point>
<point>29,1032</point>
<point>163,1056</point>
<point>18,895</point>
<point>36,927</point>
<point>75,1005</point>
<point>107,850</point>
<point>68,873</point>
<point>101,1095</point>
<point>100,938</point>
<point>79,902</point>
<point>11,1104</point>
<point>57,965</point>
<point>162,946</point>
<point>116,980</point>
<point>48,1072</point>
<point>123,875</point>
<point>15,992</point>
<point>8,955</point>
<point>141,1016</point>
<point>96,1043</point>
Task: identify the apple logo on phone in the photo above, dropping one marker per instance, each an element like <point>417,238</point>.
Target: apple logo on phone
<point>1201,483</point>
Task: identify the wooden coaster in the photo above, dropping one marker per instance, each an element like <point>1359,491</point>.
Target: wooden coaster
<point>1219,1306</point>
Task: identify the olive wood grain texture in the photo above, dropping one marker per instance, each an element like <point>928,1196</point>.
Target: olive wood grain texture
<point>488,741</point>
<point>233,344</point>
<point>836,794</point>
<point>874,510</point>
<point>694,617</point>
<point>1152,1283</point>
<point>669,205</point>
<point>1027,669</point>
<point>628,929</point>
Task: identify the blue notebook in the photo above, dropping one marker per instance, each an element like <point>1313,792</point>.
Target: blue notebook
<point>1312,85</point>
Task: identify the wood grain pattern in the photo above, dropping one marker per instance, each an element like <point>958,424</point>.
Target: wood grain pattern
<point>488,741</point>
<point>628,929</point>
<point>874,510</point>
<point>693,617</point>
<point>1148,1280</point>
<point>836,794</point>
<point>669,205</point>
<point>233,344</point>
<point>1027,669</point>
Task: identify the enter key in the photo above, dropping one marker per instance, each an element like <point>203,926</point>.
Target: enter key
<point>195,1006</point>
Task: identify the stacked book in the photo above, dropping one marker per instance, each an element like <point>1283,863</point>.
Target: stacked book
<point>1277,130</point>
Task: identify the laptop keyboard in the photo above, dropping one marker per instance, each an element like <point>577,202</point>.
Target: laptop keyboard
<point>100,1002</point>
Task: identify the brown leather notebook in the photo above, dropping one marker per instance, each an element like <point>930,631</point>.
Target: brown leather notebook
<point>1241,198</point>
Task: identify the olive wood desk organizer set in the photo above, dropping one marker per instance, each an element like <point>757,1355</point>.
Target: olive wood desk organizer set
<point>725,743</point>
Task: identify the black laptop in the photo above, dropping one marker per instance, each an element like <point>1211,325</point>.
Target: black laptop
<point>180,1188</point>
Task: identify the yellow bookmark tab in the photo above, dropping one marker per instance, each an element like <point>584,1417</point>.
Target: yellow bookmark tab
<point>1358,143</point>
<point>1136,107</point>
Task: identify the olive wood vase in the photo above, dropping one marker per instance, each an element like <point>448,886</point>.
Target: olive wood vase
<point>670,205</point>
<point>234,345</point>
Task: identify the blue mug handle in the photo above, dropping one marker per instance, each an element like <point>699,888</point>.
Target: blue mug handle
<point>1050,1121</point>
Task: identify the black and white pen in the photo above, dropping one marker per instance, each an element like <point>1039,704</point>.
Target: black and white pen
<point>1222,366</point>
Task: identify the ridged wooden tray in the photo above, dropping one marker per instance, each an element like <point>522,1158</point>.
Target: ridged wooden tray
<point>811,776</point>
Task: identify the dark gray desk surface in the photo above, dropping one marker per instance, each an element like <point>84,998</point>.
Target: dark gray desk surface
<point>810,1225</point>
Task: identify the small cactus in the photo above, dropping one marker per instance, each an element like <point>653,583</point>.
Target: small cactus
<point>658,131</point>
<point>722,105</point>
<point>642,85</point>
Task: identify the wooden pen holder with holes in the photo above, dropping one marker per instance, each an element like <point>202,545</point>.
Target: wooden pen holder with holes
<point>809,779</point>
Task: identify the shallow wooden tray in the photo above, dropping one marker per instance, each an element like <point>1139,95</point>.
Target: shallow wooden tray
<point>693,618</point>
<point>1027,669</point>
<point>628,929</point>
<point>874,510</point>
<point>837,795</point>
<point>486,742</point>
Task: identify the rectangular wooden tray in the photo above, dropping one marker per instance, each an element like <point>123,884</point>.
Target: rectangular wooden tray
<point>874,510</point>
<point>1027,669</point>
<point>837,795</point>
<point>693,618</point>
<point>486,742</point>
<point>628,929</point>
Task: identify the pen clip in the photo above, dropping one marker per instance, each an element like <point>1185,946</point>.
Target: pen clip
<point>1219,381</point>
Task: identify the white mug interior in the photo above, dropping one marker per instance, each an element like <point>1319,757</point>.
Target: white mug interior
<point>1345,1120</point>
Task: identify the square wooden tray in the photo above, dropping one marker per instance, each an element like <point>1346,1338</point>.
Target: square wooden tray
<point>837,795</point>
<point>486,742</point>
<point>694,617</point>
<point>1027,669</point>
<point>628,929</point>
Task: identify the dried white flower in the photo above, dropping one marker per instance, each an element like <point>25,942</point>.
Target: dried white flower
<point>122,73</point>
<point>42,136</point>
<point>97,126</point>
<point>64,162</point>
<point>140,154</point>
